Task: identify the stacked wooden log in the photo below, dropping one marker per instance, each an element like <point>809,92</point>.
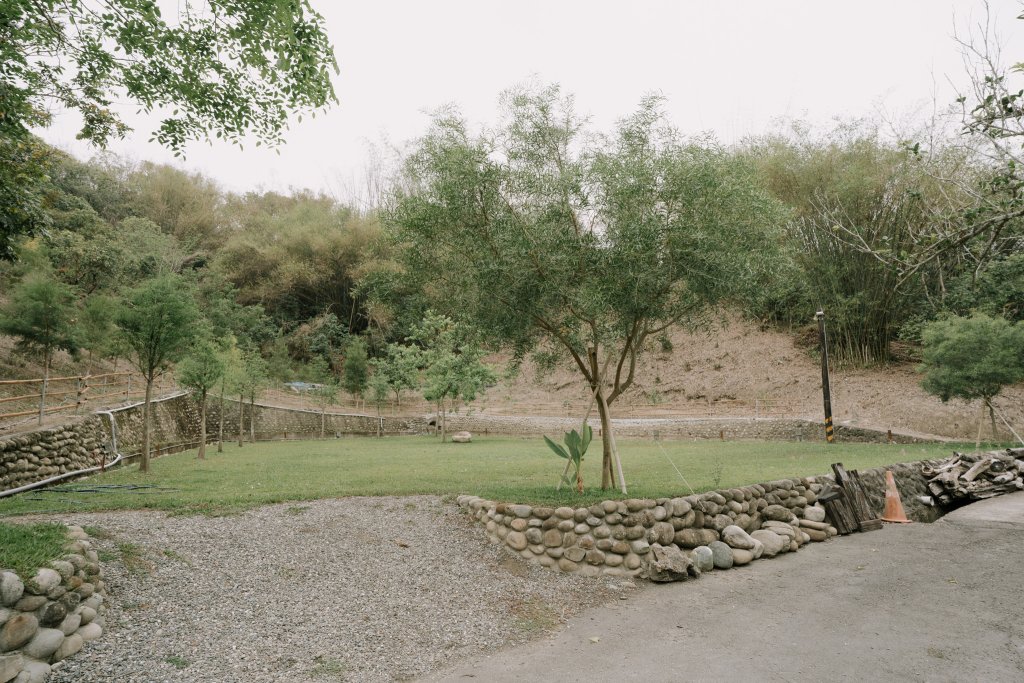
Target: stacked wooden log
<point>976,476</point>
<point>846,505</point>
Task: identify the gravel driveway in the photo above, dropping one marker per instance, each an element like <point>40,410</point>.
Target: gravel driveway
<point>356,589</point>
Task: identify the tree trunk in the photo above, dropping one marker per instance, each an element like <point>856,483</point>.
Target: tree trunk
<point>617,472</point>
<point>323,421</point>
<point>241,419</point>
<point>144,459</point>
<point>444,420</point>
<point>220,425</point>
<point>202,425</point>
<point>607,476</point>
<point>992,416</point>
<point>252,418</point>
<point>981,423</point>
<point>46,376</point>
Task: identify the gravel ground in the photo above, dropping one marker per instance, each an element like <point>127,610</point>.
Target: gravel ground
<point>357,589</point>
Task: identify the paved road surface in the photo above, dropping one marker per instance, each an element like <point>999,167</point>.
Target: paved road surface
<point>916,602</point>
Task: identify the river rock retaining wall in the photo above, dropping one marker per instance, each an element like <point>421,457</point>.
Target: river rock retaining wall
<point>718,529</point>
<point>728,428</point>
<point>32,456</point>
<point>52,615</point>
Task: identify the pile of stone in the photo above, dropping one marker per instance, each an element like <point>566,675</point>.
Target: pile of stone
<point>975,476</point>
<point>26,458</point>
<point>50,616</point>
<point>663,539</point>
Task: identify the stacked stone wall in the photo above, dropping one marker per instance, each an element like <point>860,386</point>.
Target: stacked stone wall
<point>50,616</point>
<point>33,456</point>
<point>728,428</point>
<point>725,528</point>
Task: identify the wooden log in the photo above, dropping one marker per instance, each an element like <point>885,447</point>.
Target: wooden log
<point>976,470</point>
<point>862,501</point>
<point>863,517</point>
<point>929,471</point>
<point>808,524</point>
<point>838,511</point>
<point>870,525</point>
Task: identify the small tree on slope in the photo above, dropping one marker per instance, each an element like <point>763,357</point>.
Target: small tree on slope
<point>200,371</point>
<point>40,314</point>
<point>972,358</point>
<point>157,325</point>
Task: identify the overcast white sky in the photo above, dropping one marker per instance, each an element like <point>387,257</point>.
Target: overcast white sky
<point>726,67</point>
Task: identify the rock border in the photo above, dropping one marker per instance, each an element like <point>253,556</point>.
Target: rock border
<point>668,539</point>
<point>51,616</point>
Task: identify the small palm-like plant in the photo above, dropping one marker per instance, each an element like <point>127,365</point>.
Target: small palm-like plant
<point>576,445</point>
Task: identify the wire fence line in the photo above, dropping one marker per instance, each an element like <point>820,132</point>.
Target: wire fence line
<point>23,400</point>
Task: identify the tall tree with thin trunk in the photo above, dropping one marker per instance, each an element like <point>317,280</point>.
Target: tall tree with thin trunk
<point>96,328</point>
<point>200,371</point>
<point>451,356</point>
<point>252,379</point>
<point>580,246</point>
<point>398,370</point>
<point>326,391</point>
<point>40,313</point>
<point>231,358</point>
<point>355,368</point>
<point>157,324</point>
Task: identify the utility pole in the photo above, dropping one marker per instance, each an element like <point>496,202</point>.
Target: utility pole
<point>825,388</point>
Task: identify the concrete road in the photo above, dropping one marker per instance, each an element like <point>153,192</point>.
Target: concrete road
<point>915,602</point>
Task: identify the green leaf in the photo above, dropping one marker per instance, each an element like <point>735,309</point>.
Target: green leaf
<point>572,441</point>
<point>559,451</point>
<point>588,435</point>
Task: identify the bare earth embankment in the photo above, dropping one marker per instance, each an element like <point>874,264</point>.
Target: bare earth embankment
<point>740,370</point>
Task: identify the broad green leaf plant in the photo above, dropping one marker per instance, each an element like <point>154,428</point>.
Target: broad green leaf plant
<point>575,448</point>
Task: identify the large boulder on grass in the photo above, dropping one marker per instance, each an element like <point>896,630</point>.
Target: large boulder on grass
<point>462,437</point>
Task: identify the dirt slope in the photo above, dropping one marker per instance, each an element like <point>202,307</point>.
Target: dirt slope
<point>737,370</point>
<point>742,370</point>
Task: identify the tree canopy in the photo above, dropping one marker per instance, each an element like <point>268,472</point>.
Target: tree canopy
<point>40,313</point>
<point>219,69</point>
<point>157,326</point>
<point>200,371</point>
<point>545,237</point>
<point>225,67</point>
<point>971,358</point>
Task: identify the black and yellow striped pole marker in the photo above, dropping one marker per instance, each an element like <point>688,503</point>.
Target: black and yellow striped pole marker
<point>825,388</point>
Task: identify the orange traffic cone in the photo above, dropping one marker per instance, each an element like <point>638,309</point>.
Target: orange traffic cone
<point>893,505</point>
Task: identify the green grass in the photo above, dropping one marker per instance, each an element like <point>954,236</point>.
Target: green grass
<point>177,662</point>
<point>328,668</point>
<point>27,547</point>
<point>499,468</point>
<point>97,532</point>
<point>133,558</point>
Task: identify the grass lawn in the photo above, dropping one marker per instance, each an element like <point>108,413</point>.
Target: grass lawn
<point>500,468</point>
<point>26,547</point>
